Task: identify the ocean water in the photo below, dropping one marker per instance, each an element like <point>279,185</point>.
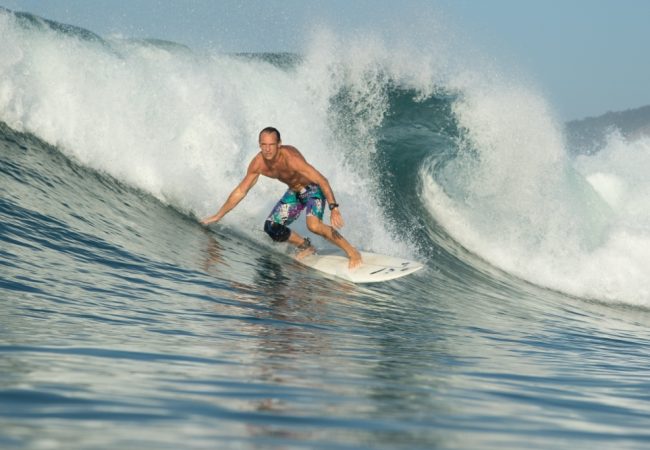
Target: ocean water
<point>125,324</point>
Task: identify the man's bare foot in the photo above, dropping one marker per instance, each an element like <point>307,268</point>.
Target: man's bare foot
<point>355,260</point>
<point>305,252</point>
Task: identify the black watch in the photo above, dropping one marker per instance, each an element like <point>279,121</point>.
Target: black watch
<point>333,205</point>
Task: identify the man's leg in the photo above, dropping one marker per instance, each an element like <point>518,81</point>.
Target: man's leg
<point>316,226</point>
<point>285,211</point>
<point>304,245</point>
<point>281,233</point>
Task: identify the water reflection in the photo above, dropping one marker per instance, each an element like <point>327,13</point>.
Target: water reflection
<point>289,331</point>
<point>213,252</point>
<point>319,349</point>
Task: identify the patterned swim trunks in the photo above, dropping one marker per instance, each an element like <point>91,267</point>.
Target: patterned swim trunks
<point>292,203</point>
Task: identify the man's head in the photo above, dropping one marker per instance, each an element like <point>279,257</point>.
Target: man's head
<point>269,141</point>
<point>271,130</point>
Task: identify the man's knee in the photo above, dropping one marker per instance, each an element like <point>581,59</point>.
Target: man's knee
<point>315,226</point>
<point>277,231</point>
<point>321,229</point>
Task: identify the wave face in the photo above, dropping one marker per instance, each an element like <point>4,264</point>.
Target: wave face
<point>111,148</point>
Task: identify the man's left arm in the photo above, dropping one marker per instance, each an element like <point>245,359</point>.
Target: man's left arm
<point>313,175</point>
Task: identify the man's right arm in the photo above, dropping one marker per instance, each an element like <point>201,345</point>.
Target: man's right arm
<point>236,195</point>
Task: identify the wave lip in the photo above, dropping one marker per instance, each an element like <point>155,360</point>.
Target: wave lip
<point>516,196</point>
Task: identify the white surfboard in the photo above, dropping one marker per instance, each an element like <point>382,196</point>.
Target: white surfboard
<point>374,268</point>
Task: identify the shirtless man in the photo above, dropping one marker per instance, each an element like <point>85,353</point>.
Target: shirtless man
<point>308,189</point>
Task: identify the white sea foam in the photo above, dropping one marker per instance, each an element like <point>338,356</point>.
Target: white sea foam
<point>516,198</point>
<point>183,126</point>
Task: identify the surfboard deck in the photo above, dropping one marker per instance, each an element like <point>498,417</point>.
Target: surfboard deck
<point>374,268</point>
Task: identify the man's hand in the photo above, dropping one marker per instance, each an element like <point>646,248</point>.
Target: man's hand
<point>336,219</point>
<point>208,220</point>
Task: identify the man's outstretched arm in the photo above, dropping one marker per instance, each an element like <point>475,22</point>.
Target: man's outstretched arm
<point>235,196</point>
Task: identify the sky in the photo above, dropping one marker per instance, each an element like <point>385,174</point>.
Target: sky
<point>587,56</point>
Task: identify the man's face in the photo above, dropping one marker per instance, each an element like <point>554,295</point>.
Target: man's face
<point>269,145</point>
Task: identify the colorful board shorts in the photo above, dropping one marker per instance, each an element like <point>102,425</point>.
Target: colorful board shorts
<point>292,203</point>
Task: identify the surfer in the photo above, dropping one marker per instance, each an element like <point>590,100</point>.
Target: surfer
<point>308,189</point>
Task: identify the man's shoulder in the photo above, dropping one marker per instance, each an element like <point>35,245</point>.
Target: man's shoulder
<point>292,153</point>
<point>256,163</point>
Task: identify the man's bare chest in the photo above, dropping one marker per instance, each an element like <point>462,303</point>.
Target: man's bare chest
<point>280,171</point>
